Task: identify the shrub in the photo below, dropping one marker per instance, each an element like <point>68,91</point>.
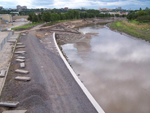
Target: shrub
<point>145,18</point>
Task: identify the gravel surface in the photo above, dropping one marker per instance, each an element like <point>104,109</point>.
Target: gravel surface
<point>52,88</point>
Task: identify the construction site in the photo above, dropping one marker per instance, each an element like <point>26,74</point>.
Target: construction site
<point>37,78</point>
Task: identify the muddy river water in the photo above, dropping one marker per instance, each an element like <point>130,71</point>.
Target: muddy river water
<point>115,69</point>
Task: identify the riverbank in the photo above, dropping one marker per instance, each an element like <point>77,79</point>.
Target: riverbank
<point>134,29</point>
<point>68,29</point>
<point>42,58</point>
<point>27,26</point>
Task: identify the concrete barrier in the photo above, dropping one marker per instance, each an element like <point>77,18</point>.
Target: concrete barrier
<point>20,60</point>
<point>20,78</point>
<point>22,46</point>
<point>21,57</point>
<point>2,74</point>
<point>20,17</point>
<point>21,71</point>
<point>9,104</point>
<point>15,111</point>
<point>23,34</point>
<point>84,89</point>
<point>20,52</point>
<point>19,43</point>
<point>22,65</point>
<point>12,40</point>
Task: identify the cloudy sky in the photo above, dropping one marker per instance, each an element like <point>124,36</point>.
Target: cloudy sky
<point>90,4</point>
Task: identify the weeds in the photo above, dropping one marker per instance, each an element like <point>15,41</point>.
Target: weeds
<point>134,28</point>
<point>26,26</point>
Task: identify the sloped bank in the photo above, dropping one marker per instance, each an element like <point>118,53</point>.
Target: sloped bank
<point>140,31</point>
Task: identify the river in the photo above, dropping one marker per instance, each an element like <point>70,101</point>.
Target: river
<point>115,68</point>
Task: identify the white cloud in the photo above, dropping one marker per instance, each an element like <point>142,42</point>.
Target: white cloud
<point>74,3</point>
<point>95,4</point>
<point>14,3</point>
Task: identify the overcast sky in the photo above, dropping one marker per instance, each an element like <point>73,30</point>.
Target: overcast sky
<point>89,4</point>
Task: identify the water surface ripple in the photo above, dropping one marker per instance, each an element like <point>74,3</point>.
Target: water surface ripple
<point>115,68</point>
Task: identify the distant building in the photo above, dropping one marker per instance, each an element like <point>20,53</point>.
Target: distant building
<point>99,9</point>
<point>124,13</point>
<point>37,13</point>
<point>13,9</point>
<point>45,9</point>
<point>66,8</point>
<point>15,13</point>
<point>104,9</point>
<point>5,18</point>
<point>119,8</point>
<point>20,8</point>
<point>120,13</point>
<point>24,7</point>
<point>83,8</point>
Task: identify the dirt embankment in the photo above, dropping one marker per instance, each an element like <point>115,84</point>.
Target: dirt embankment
<point>67,31</point>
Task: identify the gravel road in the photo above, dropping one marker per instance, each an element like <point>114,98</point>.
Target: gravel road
<point>52,88</point>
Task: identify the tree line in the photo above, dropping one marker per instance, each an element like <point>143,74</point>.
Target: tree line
<point>70,14</point>
<point>140,15</point>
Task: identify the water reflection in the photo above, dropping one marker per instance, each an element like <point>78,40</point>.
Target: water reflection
<point>83,46</point>
<point>114,68</point>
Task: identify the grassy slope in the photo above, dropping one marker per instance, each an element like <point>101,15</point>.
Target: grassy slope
<point>134,28</point>
<point>26,26</point>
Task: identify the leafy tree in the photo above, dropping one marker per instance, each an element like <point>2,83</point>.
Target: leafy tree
<point>117,15</point>
<point>63,16</point>
<point>147,10</point>
<point>46,17</point>
<point>112,15</point>
<point>53,17</point>
<point>30,17</point>
<point>39,17</point>
<point>141,13</point>
<point>34,18</point>
<point>123,15</point>
<point>140,8</point>
<point>93,11</point>
<point>145,18</point>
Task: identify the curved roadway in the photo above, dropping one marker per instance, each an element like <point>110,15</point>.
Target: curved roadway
<point>52,88</point>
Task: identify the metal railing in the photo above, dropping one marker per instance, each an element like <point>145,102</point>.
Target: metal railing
<point>5,40</point>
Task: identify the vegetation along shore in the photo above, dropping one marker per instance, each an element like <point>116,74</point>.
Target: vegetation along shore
<point>137,25</point>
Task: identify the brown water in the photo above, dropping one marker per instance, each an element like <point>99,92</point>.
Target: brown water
<point>115,69</point>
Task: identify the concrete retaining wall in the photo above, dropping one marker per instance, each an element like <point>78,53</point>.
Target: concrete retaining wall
<point>20,17</point>
<point>7,17</point>
<point>1,88</point>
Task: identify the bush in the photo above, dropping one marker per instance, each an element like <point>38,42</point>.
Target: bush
<point>145,18</point>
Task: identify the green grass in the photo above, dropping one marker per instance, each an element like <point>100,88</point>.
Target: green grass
<point>4,30</point>
<point>118,24</point>
<point>26,26</point>
<point>137,22</point>
<point>133,29</point>
<point>134,21</point>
